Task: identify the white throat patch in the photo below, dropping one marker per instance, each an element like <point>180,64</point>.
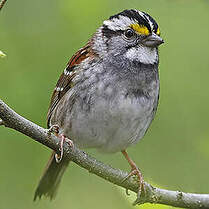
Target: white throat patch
<point>145,55</point>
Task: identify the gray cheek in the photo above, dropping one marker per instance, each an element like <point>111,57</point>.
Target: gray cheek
<point>117,45</point>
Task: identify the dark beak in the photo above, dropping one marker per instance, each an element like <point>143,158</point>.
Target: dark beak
<point>152,40</point>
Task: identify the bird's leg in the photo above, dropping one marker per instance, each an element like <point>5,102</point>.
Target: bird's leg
<point>55,129</point>
<point>134,171</point>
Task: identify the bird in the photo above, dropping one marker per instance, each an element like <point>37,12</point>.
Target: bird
<point>107,96</point>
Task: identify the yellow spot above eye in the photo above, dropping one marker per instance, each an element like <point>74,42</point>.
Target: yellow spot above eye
<point>158,31</point>
<point>141,29</point>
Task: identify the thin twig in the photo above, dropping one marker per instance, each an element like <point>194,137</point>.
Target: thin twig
<point>2,3</point>
<point>152,195</point>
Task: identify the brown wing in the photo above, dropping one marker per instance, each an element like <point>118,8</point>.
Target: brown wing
<point>65,81</point>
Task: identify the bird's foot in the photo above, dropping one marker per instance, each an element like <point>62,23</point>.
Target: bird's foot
<point>55,129</point>
<point>63,138</point>
<point>136,172</point>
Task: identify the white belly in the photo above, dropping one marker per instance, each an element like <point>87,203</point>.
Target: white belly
<point>111,126</point>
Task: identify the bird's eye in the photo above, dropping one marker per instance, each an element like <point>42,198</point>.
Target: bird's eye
<point>129,34</point>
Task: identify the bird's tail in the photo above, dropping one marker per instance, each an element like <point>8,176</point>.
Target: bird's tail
<point>51,178</point>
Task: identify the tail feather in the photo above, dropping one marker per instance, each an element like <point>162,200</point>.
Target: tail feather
<point>51,178</point>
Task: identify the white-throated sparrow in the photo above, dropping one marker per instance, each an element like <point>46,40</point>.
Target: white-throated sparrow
<point>107,95</point>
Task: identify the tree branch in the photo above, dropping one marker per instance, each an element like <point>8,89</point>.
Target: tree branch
<point>152,195</point>
<point>2,3</point>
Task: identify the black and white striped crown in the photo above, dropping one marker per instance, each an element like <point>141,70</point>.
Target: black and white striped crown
<point>140,22</point>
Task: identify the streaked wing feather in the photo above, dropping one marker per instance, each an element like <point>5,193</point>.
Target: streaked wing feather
<point>65,81</point>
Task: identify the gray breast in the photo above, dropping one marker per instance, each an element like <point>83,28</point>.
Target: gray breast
<point>110,110</point>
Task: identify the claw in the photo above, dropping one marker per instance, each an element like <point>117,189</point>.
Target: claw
<point>132,173</point>
<point>127,193</point>
<point>55,129</point>
<point>63,138</point>
<point>135,172</point>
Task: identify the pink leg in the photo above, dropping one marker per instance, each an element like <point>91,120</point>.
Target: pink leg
<point>55,129</point>
<point>63,139</point>
<point>134,171</point>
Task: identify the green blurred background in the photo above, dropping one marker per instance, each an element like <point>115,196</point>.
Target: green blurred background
<point>39,37</point>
